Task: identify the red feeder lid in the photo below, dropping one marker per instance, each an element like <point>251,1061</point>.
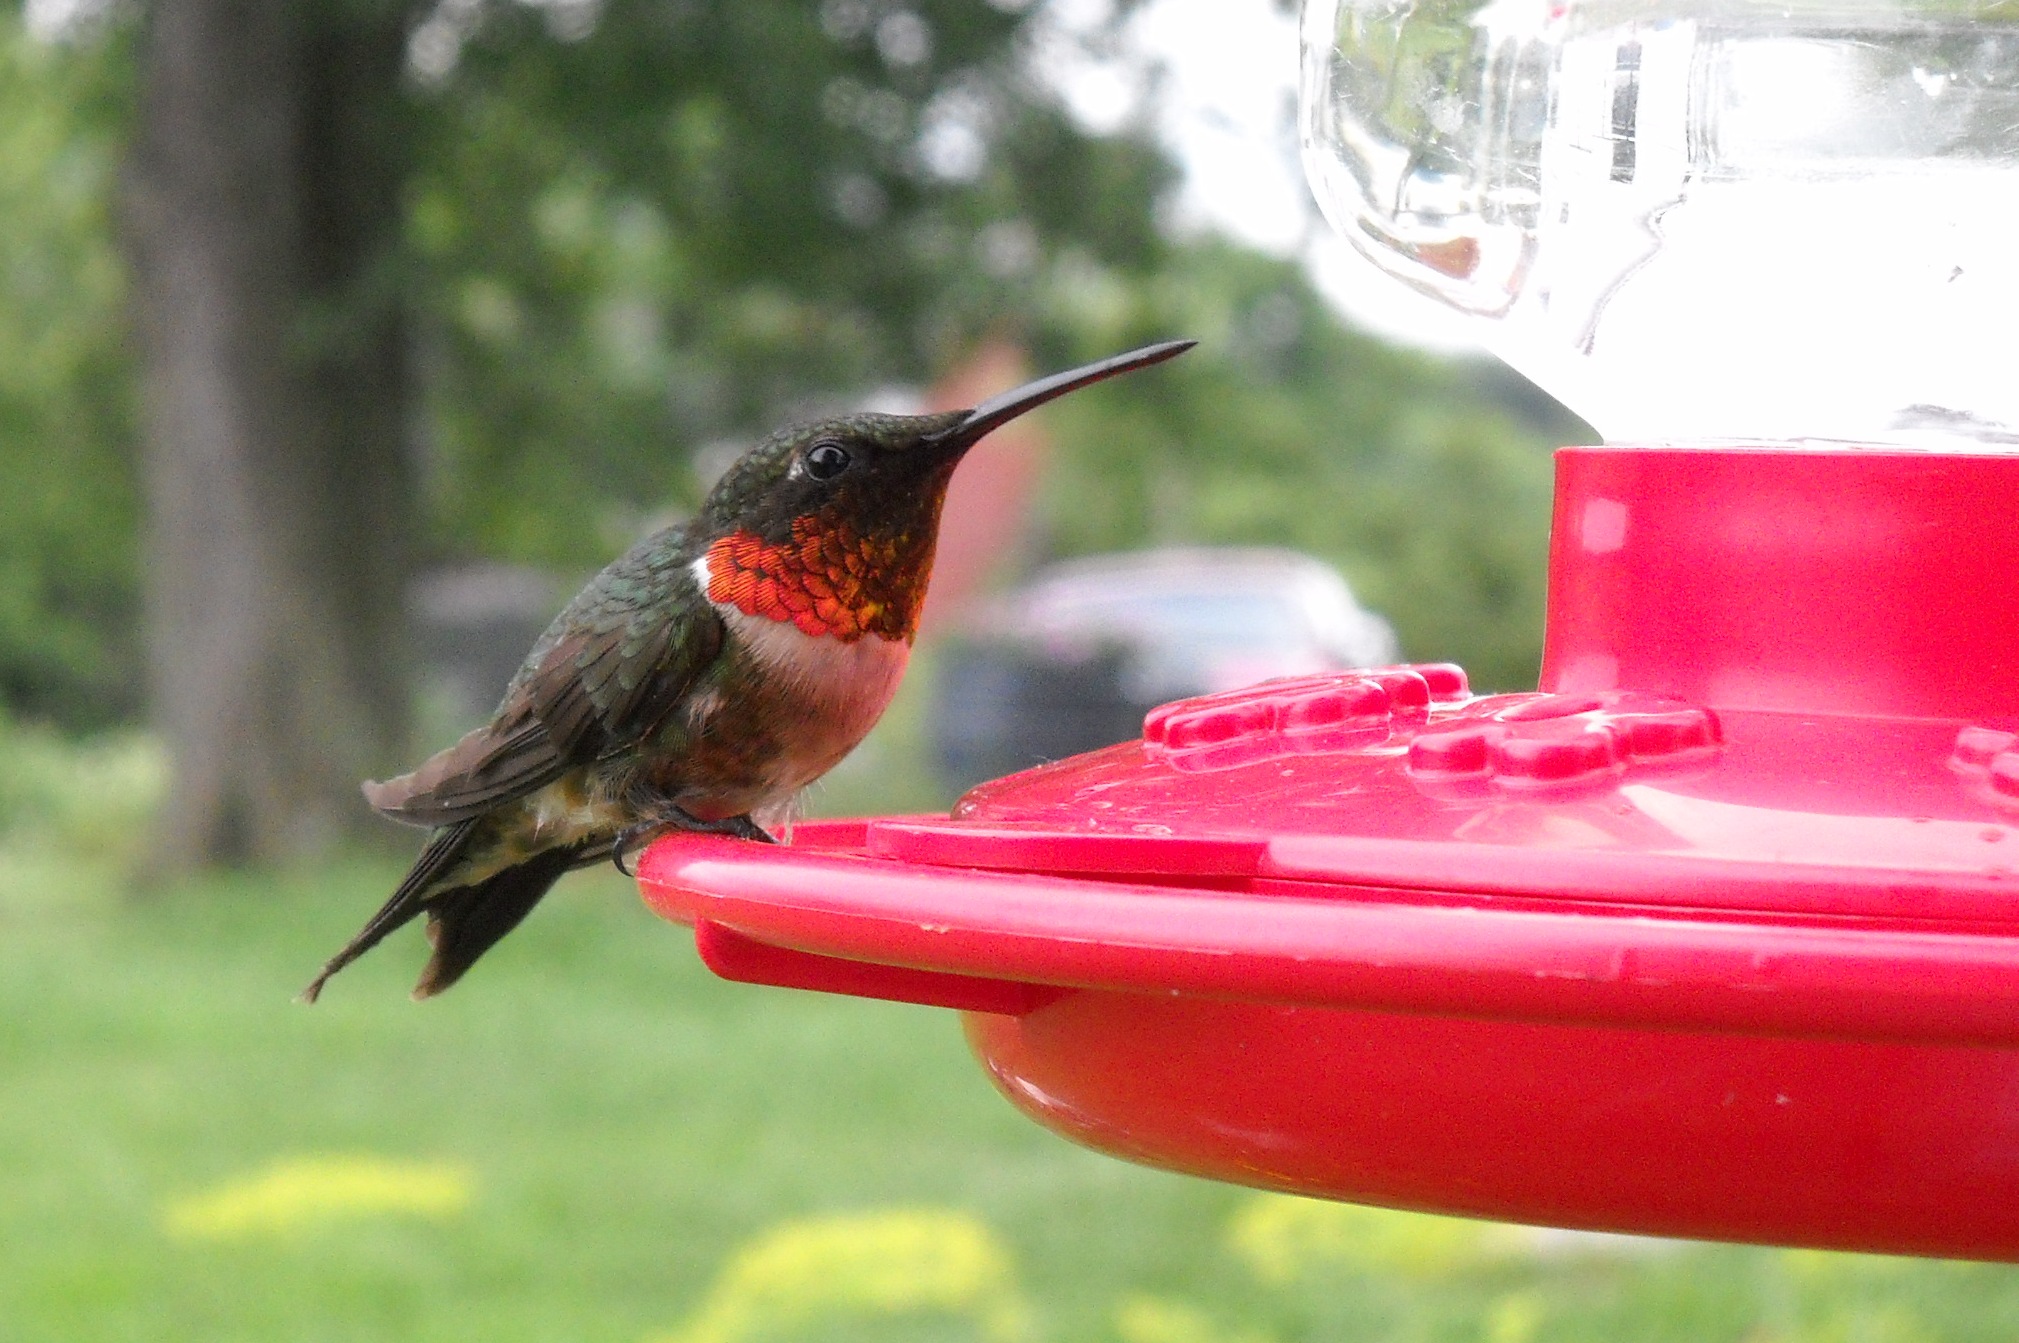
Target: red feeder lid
<point>1716,936</point>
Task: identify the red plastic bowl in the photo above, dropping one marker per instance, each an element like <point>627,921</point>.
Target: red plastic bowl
<point>1715,936</point>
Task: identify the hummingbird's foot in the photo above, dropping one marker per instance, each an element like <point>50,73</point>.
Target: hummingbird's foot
<point>679,818</point>
<point>737,827</point>
<point>627,839</point>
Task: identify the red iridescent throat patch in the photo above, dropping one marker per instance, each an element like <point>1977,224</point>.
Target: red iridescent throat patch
<point>826,580</point>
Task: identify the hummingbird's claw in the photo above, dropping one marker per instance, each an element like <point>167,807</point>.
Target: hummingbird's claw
<point>742,827</point>
<point>679,818</point>
<point>617,855</point>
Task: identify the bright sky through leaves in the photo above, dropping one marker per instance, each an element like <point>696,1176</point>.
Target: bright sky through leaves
<point>1227,110</point>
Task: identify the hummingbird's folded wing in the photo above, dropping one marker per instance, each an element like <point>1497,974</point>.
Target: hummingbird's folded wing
<point>609,669</point>
<point>491,765</point>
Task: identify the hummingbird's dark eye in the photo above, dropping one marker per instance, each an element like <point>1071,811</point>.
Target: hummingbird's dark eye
<point>826,459</point>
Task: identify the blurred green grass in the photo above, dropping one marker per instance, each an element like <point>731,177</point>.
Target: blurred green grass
<point>593,1139</point>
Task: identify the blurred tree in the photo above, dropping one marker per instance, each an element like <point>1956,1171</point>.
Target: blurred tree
<point>686,224</point>
<point>264,228</point>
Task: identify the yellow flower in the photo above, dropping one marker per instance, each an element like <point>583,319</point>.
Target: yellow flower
<point>1156,1319</point>
<point>887,1262</point>
<point>1823,1267</point>
<point>1281,1237</point>
<point>1512,1318</point>
<point>292,1194</point>
<point>1860,1322</point>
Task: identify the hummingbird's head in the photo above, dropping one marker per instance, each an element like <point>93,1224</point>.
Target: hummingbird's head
<point>831,525</point>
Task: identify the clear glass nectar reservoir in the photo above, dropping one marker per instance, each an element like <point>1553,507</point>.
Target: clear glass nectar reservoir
<point>1696,221</point>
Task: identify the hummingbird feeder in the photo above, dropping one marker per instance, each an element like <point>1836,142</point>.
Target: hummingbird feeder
<point>1717,933</point>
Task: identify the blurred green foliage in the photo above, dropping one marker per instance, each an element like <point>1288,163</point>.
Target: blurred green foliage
<point>68,602</point>
<point>695,221</point>
<point>650,229</point>
<point>73,816</point>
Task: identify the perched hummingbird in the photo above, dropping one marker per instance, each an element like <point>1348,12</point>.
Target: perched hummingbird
<point>702,680</point>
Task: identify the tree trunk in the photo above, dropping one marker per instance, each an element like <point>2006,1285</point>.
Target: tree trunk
<point>263,225</point>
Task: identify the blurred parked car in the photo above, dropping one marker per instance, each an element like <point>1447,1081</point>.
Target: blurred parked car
<point>1073,659</point>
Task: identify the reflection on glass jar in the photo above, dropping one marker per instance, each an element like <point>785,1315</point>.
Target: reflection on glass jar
<point>1719,220</point>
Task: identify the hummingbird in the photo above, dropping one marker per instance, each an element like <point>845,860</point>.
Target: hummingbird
<point>702,680</point>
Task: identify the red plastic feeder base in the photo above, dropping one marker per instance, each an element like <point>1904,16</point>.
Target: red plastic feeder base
<point>1715,936</point>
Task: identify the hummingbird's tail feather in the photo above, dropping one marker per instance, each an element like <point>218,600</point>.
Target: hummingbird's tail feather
<point>465,923</point>
<point>443,849</point>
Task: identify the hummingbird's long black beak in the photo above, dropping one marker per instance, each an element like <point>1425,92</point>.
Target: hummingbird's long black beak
<point>1000,410</point>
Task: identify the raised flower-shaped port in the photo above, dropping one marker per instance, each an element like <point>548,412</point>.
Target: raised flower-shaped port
<point>1523,742</point>
<point>1303,715</point>
<point>1544,741</point>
